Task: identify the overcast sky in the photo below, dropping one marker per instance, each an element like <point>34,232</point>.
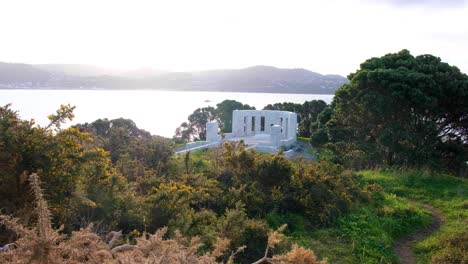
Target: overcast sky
<point>326,36</point>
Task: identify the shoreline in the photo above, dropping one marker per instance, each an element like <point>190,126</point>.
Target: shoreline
<point>151,89</point>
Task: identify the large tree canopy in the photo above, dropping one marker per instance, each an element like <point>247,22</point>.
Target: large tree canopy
<point>224,113</point>
<point>195,128</point>
<point>403,110</point>
<point>306,113</point>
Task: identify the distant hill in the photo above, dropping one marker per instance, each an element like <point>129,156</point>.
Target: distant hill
<point>24,74</point>
<point>82,70</point>
<point>142,73</point>
<point>253,79</point>
<point>267,78</point>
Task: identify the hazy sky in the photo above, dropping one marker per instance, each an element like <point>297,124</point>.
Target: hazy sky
<point>327,36</point>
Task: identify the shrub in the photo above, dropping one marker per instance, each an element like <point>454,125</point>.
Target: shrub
<point>43,244</point>
<point>455,250</point>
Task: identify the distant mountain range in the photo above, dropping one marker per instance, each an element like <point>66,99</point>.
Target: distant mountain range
<point>253,79</point>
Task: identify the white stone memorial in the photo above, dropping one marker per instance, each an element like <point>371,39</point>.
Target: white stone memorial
<point>264,130</point>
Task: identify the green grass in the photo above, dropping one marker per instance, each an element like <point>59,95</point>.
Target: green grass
<point>368,233</point>
<point>303,139</point>
<point>448,194</point>
<point>321,154</point>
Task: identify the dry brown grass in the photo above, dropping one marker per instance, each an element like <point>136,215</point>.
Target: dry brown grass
<point>43,244</point>
<point>297,255</point>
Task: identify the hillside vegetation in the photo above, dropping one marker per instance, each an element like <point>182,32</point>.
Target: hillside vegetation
<point>393,140</point>
<point>368,234</point>
<point>447,193</point>
<point>44,244</point>
<point>119,177</point>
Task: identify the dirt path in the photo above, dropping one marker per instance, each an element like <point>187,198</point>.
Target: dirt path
<point>403,246</point>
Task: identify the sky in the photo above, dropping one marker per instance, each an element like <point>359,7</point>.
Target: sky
<point>326,36</point>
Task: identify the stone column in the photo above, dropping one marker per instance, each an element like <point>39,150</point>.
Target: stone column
<point>212,131</point>
<point>276,135</point>
<point>268,122</point>
<point>257,124</point>
<point>293,126</point>
<point>283,125</point>
<point>249,125</point>
<point>237,125</point>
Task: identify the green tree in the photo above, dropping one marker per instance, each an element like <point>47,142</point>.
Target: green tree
<point>195,129</point>
<point>319,133</point>
<point>306,113</point>
<point>224,113</point>
<point>310,112</point>
<point>403,110</point>
<point>77,176</point>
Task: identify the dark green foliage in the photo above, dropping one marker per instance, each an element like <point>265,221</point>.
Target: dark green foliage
<point>321,192</point>
<point>110,171</point>
<point>16,137</point>
<point>402,110</point>
<point>311,110</point>
<point>272,171</point>
<point>307,113</point>
<point>195,128</point>
<point>224,113</point>
<point>76,175</point>
<point>319,133</point>
<point>133,150</point>
<point>319,138</point>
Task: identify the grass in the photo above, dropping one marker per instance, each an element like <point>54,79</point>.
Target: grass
<point>447,193</point>
<point>321,154</point>
<point>368,233</point>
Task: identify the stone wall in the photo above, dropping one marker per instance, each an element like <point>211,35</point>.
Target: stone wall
<point>251,122</point>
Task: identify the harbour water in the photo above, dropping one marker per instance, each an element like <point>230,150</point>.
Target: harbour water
<point>159,112</point>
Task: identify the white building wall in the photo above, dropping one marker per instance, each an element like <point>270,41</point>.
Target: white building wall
<point>280,133</point>
<point>288,125</point>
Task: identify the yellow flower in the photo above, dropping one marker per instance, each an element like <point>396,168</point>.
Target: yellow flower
<point>136,232</point>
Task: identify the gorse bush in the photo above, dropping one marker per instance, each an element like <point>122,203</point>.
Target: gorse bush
<point>119,177</point>
<point>321,191</point>
<point>43,244</point>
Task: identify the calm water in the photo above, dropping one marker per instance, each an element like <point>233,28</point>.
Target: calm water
<point>159,112</point>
